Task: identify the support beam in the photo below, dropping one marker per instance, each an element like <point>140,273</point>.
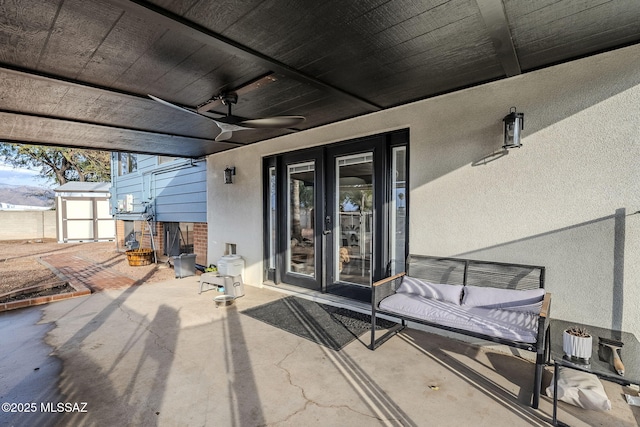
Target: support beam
<point>58,80</point>
<point>495,19</point>
<point>69,121</point>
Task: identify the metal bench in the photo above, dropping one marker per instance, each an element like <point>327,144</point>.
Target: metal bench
<point>467,272</point>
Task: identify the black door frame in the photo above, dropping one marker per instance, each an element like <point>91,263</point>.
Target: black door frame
<point>376,146</point>
<point>317,156</point>
<point>324,157</point>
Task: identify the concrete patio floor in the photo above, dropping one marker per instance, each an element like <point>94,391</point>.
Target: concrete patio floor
<point>161,354</point>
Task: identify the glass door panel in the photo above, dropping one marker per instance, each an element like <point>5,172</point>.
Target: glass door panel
<point>398,210</point>
<point>353,242</point>
<point>301,248</point>
<point>272,224</point>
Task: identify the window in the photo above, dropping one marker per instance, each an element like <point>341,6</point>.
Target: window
<point>272,218</point>
<point>398,209</point>
<point>127,163</point>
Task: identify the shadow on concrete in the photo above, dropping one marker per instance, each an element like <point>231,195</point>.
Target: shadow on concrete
<point>245,408</point>
<point>28,372</point>
<point>105,405</point>
<point>311,327</point>
<point>517,371</point>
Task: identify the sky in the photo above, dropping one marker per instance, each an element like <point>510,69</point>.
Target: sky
<point>17,176</point>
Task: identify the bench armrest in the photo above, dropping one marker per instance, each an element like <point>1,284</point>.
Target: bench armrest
<point>546,305</point>
<point>382,289</point>
<point>388,279</point>
<point>379,291</point>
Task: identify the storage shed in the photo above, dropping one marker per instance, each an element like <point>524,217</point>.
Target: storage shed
<point>83,213</point>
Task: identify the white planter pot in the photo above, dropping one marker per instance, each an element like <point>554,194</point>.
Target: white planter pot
<point>577,348</point>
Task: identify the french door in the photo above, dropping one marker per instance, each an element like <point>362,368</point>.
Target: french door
<point>354,217</point>
<point>333,223</point>
<point>300,207</point>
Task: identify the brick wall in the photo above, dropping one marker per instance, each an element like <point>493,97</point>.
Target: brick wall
<point>141,226</point>
<point>158,238</point>
<point>142,231</point>
<point>200,237</point>
<point>120,234</point>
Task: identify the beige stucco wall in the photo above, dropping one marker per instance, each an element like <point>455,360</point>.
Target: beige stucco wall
<point>27,225</point>
<point>567,199</point>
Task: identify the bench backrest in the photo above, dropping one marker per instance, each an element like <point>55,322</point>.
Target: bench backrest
<point>459,271</point>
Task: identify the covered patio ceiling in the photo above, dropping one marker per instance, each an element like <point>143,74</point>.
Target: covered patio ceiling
<point>78,72</point>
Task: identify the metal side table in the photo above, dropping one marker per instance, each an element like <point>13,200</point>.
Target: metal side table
<point>601,358</point>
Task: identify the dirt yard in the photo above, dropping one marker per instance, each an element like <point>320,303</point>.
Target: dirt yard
<point>19,266</point>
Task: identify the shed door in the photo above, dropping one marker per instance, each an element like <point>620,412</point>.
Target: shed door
<point>105,226</point>
<point>87,219</point>
<point>77,219</point>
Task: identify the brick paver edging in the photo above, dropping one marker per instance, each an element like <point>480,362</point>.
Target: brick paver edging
<point>12,305</point>
<point>80,290</point>
<point>81,274</point>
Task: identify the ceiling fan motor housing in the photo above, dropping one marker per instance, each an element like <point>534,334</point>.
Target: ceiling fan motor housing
<point>229,98</point>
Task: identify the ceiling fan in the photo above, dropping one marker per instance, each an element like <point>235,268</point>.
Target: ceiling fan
<point>230,123</point>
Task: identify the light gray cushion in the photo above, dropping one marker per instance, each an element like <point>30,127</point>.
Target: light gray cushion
<point>507,299</point>
<point>581,389</point>
<point>510,325</point>
<point>439,291</point>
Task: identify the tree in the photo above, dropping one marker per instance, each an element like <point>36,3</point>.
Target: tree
<point>361,199</point>
<point>301,198</point>
<point>60,164</point>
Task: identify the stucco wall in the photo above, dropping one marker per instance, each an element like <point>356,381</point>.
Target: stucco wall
<point>27,225</point>
<point>566,200</point>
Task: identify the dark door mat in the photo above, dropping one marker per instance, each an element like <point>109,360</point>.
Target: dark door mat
<point>332,327</point>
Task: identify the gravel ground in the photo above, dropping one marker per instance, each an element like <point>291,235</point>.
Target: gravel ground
<point>19,266</point>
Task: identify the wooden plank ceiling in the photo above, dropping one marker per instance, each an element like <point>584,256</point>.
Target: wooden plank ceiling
<point>78,72</point>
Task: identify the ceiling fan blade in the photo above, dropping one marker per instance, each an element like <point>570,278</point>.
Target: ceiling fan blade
<point>226,124</point>
<point>227,129</point>
<point>230,123</point>
<point>176,106</point>
<point>223,136</point>
<point>276,122</point>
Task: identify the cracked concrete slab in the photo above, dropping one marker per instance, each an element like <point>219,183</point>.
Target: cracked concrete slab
<point>164,355</point>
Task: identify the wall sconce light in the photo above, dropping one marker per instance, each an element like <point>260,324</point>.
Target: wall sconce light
<point>229,172</point>
<point>513,124</point>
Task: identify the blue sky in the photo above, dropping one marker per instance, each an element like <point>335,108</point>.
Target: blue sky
<point>13,176</point>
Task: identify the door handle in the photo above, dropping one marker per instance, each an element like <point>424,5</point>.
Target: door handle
<point>327,225</point>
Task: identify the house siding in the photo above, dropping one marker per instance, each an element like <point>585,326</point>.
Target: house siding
<point>568,199</point>
<point>177,191</point>
<point>174,192</point>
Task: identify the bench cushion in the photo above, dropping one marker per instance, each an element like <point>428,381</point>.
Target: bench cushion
<point>517,300</point>
<point>439,291</point>
<point>506,324</point>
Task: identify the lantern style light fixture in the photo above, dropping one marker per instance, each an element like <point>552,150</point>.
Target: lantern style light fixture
<point>513,124</point>
<point>229,172</point>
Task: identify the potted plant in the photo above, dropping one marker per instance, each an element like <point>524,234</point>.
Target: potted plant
<point>577,344</point>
